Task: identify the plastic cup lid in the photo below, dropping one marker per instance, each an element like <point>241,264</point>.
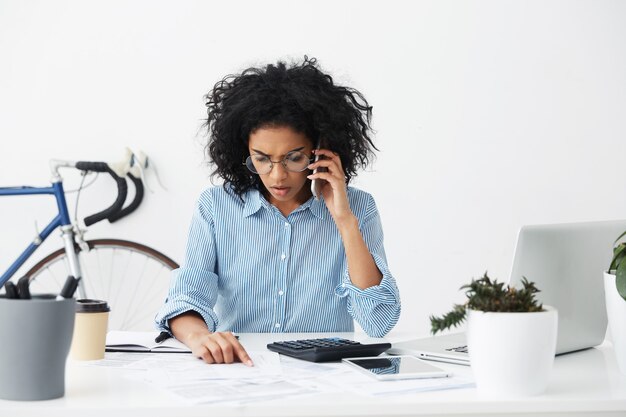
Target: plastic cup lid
<point>86,305</point>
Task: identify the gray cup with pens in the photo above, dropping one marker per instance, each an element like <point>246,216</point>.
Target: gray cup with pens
<point>36,336</point>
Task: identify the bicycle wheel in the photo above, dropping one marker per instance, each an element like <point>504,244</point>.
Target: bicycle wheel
<point>131,277</point>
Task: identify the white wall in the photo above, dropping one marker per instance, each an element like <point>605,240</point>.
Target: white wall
<point>489,114</point>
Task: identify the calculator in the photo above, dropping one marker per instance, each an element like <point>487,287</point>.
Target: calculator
<point>327,349</point>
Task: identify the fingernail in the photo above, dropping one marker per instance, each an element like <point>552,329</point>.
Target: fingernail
<point>309,177</point>
<point>249,363</point>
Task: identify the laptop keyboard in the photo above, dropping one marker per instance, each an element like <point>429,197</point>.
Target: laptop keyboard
<point>458,349</point>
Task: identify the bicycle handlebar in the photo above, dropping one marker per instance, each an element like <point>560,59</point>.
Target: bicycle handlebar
<point>130,167</point>
<point>122,190</point>
<point>134,204</point>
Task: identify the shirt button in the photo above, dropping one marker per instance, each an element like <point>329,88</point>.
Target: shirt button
<point>283,256</point>
<point>286,224</point>
<point>280,292</point>
<point>277,325</point>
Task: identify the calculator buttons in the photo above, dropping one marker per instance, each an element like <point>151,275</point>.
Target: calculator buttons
<point>327,349</point>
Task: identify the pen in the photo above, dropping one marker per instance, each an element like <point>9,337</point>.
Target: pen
<point>69,288</point>
<point>162,337</point>
<point>22,288</point>
<point>10,289</point>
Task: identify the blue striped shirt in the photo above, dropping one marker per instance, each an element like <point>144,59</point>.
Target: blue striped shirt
<point>248,268</point>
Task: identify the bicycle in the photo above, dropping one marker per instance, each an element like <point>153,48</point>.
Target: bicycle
<point>124,273</point>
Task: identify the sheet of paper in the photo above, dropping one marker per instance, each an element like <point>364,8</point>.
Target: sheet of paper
<point>299,369</point>
<point>197,382</point>
<point>233,391</point>
<point>409,386</point>
<point>273,377</point>
<point>118,359</point>
<point>188,368</point>
<point>366,385</point>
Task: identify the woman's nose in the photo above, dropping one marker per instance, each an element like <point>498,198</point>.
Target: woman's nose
<point>278,171</point>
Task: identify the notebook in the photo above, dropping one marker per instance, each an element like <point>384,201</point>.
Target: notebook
<point>566,262</point>
<point>125,341</point>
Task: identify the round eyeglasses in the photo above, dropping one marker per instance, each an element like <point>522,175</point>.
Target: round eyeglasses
<point>262,164</point>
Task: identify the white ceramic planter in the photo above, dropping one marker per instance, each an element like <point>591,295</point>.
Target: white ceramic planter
<point>512,354</point>
<point>616,312</point>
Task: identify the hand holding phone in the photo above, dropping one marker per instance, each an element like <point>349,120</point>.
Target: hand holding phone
<point>317,184</point>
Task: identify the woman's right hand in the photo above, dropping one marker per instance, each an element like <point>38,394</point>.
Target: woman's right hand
<point>218,347</point>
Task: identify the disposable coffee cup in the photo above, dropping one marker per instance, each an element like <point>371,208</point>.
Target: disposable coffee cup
<point>34,343</point>
<point>90,330</point>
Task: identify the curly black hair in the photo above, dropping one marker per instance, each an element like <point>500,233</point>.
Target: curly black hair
<point>299,96</point>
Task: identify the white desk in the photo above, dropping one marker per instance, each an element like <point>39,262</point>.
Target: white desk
<point>584,382</point>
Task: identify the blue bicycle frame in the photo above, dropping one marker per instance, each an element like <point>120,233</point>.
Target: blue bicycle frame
<point>61,220</point>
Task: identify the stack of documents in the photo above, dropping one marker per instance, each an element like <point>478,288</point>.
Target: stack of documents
<point>272,377</point>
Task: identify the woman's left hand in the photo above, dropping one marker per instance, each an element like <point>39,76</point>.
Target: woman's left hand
<point>334,188</point>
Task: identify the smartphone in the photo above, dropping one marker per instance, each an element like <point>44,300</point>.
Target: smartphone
<point>316,185</point>
<point>396,367</point>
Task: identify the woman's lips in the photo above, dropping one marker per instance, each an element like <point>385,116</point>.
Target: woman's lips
<point>281,191</point>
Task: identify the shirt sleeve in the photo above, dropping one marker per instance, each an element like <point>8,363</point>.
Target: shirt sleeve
<point>376,309</point>
<point>193,286</point>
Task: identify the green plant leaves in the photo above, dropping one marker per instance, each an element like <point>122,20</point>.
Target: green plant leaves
<point>618,265</point>
<point>620,236</point>
<point>620,279</point>
<point>486,295</point>
<point>619,252</point>
<point>451,319</point>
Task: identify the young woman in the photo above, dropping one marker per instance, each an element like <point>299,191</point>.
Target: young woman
<point>263,254</point>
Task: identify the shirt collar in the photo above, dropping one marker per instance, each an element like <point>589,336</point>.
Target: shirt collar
<point>318,207</point>
<point>254,201</point>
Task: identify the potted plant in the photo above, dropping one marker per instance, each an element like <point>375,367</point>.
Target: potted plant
<point>511,337</point>
<point>615,296</point>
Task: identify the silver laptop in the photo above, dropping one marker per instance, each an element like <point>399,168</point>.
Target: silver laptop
<point>566,262</point>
